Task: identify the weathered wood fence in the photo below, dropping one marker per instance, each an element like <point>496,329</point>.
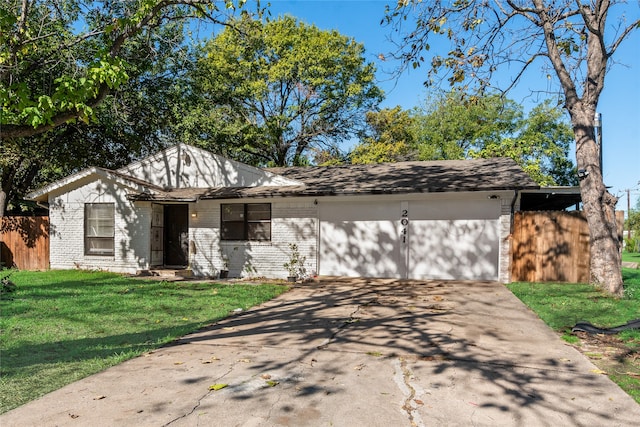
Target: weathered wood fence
<point>551,247</point>
<point>24,242</point>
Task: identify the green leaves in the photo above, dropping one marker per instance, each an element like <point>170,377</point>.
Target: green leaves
<point>68,93</point>
<point>281,87</point>
<point>459,125</point>
<point>60,59</point>
<point>218,386</point>
<point>390,139</point>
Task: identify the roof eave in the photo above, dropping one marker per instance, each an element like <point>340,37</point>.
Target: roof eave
<point>42,194</point>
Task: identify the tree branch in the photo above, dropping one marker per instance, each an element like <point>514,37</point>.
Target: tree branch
<point>567,83</point>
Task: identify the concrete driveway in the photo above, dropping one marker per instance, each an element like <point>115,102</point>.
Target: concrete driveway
<point>345,352</point>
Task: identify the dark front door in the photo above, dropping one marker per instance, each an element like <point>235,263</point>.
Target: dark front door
<point>176,235</point>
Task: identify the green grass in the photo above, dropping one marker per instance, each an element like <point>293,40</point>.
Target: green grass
<point>562,305</point>
<point>631,257</point>
<point>60,326</point>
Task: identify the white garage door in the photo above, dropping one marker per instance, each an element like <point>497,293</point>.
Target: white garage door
<point>447,239</point>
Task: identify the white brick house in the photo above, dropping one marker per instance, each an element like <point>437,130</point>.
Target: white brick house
<point>185,207</point>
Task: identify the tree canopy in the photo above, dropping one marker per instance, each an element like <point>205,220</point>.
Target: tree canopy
<point>457,125</point>
<point>60,58</point>
<point>573,41</point>
<point>389,138</point>
<point>267,91</point>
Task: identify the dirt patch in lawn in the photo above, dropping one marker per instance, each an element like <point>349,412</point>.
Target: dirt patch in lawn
<point>616,358</point>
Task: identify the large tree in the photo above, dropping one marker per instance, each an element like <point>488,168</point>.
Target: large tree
<point>128,124</point>
<point>574,39</point>
<point>456,125</point>
<point>451,125</point>
<point>389,137</point>
<point>61,59</point>
<point>268,91</point>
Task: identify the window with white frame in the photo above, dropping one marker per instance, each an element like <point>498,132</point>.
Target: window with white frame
<point>99,228</point>
<point>245,221</point>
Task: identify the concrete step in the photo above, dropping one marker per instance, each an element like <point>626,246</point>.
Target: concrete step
<point>167,273</point>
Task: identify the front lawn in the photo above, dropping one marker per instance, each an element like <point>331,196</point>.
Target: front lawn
<point>562,305</point>
<point>60,326</point>
<point>631,257</point>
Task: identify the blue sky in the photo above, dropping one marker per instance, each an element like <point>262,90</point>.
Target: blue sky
<point>619,103</point>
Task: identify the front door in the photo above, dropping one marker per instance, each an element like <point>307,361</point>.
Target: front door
<point>176,235</point>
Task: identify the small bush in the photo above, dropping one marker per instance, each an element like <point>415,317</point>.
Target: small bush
<point>6,285</point>
<point>632,244</point>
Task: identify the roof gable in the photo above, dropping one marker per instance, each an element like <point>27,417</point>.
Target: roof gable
<point>89,175</point>
<point>185,166</point>
<point>183,172</point>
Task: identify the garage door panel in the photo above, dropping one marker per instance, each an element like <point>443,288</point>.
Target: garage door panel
<point>454,249</point>
<point>359,248</point>
<point>446,239</point>
<point>455,209</point>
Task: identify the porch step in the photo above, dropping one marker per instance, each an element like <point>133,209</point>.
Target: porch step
<point>167,273</point>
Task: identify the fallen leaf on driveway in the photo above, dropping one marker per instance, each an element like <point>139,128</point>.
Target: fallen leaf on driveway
<point>178,363</point>
<point>99,397</point>
<point>244,360</point>
<point>217,387</point>
<point>359,367</point>
<point>272,383</point>
<point>265,376</point>
<point>597,371</point>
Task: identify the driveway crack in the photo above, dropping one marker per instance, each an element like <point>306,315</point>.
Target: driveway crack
<point>352,319</point>
<point>199,401</point>
<point>403,377</point>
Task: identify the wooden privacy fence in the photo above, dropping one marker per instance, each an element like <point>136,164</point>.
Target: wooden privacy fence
<point>24,242</point>
<point>552,246</point>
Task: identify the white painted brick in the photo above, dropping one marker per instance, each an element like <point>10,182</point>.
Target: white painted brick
<point>291,222</point>
<point>132,227</point>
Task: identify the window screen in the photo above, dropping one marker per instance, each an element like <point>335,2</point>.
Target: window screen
<point>99,227</point>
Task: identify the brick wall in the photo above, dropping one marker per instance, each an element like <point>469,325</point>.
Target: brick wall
<point>504,264</point>
<point>132,225</point>
<point>292,221</point>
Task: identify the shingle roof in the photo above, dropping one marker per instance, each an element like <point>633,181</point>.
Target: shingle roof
<point>410,177</point>
<point>386,178</point>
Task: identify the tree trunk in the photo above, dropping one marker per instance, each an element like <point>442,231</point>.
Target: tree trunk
<point>6,181</point>
<point>599,205</point>
<point>3,202</point>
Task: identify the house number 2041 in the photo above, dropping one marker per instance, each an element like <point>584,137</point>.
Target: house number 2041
<point>405,222</point>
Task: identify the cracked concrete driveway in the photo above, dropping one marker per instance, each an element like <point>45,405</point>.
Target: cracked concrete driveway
<point>345,352</point>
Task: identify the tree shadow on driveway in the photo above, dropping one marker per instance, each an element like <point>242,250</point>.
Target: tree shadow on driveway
<point>468,351</point>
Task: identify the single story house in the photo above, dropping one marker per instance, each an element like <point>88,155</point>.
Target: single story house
<point>185,207</point>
